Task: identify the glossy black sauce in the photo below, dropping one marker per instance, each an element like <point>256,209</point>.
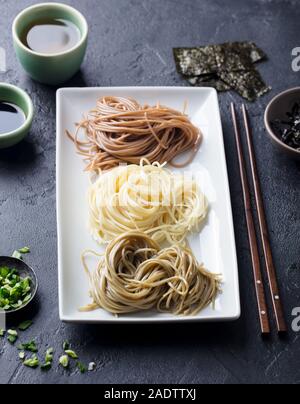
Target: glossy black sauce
<point>11,117</point>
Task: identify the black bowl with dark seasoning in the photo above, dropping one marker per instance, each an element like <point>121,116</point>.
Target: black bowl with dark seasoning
<point>288,129</point>
<point>282,121</point>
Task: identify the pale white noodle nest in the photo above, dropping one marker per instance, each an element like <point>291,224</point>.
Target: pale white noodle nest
<point>147,198</point>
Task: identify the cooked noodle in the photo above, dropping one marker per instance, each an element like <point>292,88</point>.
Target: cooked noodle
<point>146,198</point>
<point>121,130</point>
<point>135,275</point>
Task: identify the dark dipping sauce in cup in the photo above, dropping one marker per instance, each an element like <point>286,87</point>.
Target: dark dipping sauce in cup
<point>51,36</point>
<point>11,117</point>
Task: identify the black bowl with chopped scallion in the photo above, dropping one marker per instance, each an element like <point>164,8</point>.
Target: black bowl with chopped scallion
<point>18,284</point>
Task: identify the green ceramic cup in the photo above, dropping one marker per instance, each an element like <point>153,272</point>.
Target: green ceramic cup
<point>15,95</point>
<point>54,69</point>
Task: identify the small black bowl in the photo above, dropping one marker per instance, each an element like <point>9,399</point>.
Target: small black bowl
<point>277,109</point>
<point>24,271</point>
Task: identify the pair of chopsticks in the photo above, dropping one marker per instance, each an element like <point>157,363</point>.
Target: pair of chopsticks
<point>254,248</point>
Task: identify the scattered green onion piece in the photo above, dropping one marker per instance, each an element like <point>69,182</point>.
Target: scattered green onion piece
<point>66,345</point>
<point>25,325</point>
<point>22,355</point>
<point>71,354</point>
<point>49,355</point>
<point>50,351</point>
<point>24,250</point>
<point>17,255</point>
<point>12,339</point>
<point>12,336</point>
<point>46,366</point>
<point>33,362</point>
<point>64,361</point>
<point>2,332</point>
<point>29,346</point>
<point>82,368</point>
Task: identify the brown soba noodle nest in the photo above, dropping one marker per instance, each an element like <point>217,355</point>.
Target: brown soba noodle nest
<point>120,130</point>
<point>134,275</point>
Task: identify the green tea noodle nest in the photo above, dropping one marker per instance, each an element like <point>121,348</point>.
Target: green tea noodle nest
<point>135,275</point>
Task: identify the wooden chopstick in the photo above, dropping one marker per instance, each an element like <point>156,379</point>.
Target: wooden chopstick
<point>273,283</point>
<point>259,285</point>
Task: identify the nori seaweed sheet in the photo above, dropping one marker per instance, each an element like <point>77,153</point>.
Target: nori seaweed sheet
<point>195,61</point>
<point>224,67</point>
<point>208,59</point>
<point>249,84</point>
<point>208,80</point>
<point>232,59</point>
<point>248,50</point>
<point>256,54</point>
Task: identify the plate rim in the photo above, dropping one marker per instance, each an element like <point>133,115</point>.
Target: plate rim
<point>236,313</point>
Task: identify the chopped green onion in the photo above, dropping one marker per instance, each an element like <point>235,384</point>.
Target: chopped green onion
<point>17,255</point>
<point>12,339</point>
<point>49,355</point>
<point>48,360</point>
<point>12,332</point>
<point>46,366</point>
<point>71,354</point>
<point>82,368</point>
<point>15,291</point>
<point>66,345</point>
<point>4,272</point>
<point>12,336</point>
<point>64,361</point>
<point>33,362</point>
<point>25,325</point>
<point>2,332</point>
<point>29,346</point>
<point>27,298</point>
<point>22,355</point>
<point>24,250</point>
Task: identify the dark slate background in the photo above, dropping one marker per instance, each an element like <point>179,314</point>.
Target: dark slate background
<point>131,43</point>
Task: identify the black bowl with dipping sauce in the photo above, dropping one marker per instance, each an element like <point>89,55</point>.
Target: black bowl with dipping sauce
<point>24,271</point>
<point>282,123</point>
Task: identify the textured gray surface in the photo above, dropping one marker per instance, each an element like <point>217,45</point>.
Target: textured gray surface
<point>131,44</point>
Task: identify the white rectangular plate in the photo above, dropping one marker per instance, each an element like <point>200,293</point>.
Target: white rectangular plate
<point>214,246</point>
